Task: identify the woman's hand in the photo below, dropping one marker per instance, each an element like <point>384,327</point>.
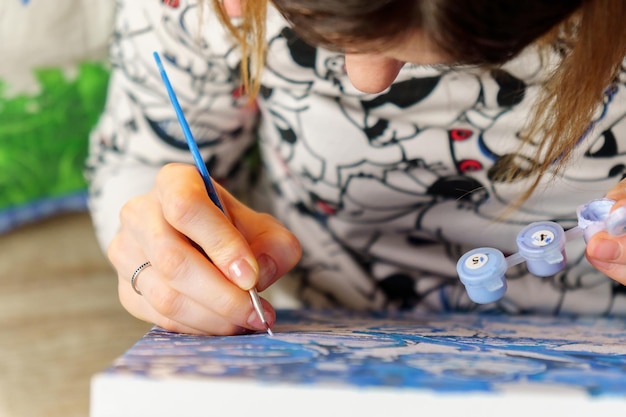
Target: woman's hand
<point>605,252</point>
<point>183,291</point>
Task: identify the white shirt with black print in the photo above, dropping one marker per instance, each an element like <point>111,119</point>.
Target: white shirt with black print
<point>385,191</point>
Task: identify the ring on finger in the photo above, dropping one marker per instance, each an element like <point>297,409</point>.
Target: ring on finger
<point>133,279</point>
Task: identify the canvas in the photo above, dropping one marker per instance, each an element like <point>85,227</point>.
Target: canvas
<point>338,363</point>
<point>53,81</point>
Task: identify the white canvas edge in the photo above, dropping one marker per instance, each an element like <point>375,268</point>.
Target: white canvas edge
<point>130,396</point>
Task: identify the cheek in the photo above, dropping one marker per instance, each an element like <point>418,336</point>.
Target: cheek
<point>371,73</point>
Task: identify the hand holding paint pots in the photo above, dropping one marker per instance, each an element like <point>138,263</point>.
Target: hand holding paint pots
<point>596,216</point>
<point>541,245</point>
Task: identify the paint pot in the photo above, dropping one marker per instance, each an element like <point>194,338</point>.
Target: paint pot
<point>542,244</point>
<point>596,216</point>
<point>482,270</point>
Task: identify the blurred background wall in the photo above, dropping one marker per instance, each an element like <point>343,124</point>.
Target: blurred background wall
<point>60,320</point>
<point>53,78</point>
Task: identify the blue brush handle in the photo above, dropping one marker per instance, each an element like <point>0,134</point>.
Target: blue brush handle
<point>191,142</point>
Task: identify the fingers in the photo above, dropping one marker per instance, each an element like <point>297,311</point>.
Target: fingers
<point>202,262</point>
<point>276,249</point>
<point>169,309</point>
<point>606,253</point>
<point>185,294</point>
<point>187,207</point>
<point>246,247</point>
<point>173,310</point>
<point>182,290</point>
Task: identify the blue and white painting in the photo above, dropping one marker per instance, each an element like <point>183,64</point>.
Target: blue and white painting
<point>441,353</point>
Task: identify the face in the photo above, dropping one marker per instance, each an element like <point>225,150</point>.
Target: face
<point>474,32</point>
<point>374,72</point>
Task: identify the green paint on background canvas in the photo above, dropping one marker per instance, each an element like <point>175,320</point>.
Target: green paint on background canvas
<point>44,137</point>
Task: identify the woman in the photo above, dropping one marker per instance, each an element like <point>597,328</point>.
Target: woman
<point>394,136</point>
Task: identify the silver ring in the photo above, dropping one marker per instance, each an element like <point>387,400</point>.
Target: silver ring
<point>133,279</point>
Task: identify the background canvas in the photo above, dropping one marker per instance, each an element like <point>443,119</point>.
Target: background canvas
<point>60,320</point>
<point>53,80</point>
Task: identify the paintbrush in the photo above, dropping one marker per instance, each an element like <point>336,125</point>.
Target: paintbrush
<point>204,172</point>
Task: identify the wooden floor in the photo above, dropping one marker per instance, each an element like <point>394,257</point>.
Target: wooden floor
<point>60,319</point>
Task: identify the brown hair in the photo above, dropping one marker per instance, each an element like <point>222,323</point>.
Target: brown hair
<point>591,36</point>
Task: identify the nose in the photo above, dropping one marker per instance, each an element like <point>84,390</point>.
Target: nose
<point>372,73</point>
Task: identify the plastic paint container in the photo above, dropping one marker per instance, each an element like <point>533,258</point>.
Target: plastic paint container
<point>542,244</point>
<point>594,217</point>
<point>482,270</point>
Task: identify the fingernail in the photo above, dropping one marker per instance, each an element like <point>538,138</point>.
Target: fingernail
<point>242,274</point>
<point>267,270</point>
<point>606,250</point>
<point>255,321</point>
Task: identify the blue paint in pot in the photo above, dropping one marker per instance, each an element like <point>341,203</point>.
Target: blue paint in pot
<point>596,216</point>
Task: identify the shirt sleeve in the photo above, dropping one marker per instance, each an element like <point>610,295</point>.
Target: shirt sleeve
<point>138,131</point>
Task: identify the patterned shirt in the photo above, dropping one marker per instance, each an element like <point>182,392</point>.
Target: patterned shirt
<point>385,191</point>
